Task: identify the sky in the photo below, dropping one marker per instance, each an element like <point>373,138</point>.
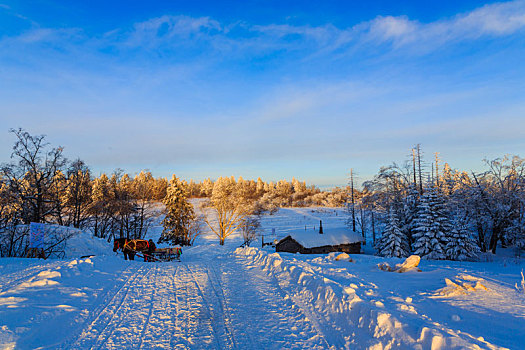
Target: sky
<point>270,89</point>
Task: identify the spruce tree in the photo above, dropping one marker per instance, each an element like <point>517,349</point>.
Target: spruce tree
<point>179,214</point>
<point>410,206</point>
<point>394,242</point>
<point>460,245</point>
<point>431,226</point>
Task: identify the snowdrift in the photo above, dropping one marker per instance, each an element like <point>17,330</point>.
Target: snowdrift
<point>352,323</point>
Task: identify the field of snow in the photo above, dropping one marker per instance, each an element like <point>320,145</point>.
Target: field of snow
<point>252,298</point>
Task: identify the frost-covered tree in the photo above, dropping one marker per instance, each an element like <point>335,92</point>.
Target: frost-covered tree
<point>410,205</point>
<point>460,245</point>
<point>394,242</point>
<point>31,179</point>
<point>432,226</point>
<point>77,195</point>
<point>179,214</point>
<point>230,210</point>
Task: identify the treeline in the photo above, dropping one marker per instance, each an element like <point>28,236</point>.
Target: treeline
<point>40,185</point>
<point>440,213</point>
<point>271,195</point>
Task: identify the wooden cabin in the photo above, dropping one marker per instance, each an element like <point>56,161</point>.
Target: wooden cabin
<point>312,242</point>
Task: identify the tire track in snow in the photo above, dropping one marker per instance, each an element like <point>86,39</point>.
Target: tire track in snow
<point>220,329</point>
<point>150,312</point>
<point>109,340</point>
<point>104,314</point>
<point>160,325</point>
<point>299,312</point>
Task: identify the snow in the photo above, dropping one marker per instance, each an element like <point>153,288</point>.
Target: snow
<point>364,307</point>
<point>331,236</point>
<point>224,297</point>
<point>83,244</point>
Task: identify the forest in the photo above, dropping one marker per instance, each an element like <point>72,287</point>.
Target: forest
<point>419,207</point>
<point>40,185</point>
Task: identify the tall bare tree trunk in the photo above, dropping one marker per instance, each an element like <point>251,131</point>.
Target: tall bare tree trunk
<point>419,168</point>
<point>414,166</point>
<point>362,224</point>
<point>437,170</point>
<point>353,199</point>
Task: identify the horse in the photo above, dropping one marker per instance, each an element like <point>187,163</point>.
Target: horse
<point>130,246</point>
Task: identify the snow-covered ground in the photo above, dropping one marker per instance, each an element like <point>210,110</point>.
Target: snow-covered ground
<point>252,298</point>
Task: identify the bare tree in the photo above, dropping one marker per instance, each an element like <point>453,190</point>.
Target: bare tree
<point>78,192</point>
<point>249,229</point>
<point>32,176</point>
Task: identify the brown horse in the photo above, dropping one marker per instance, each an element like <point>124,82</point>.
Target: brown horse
<point>130,246</point>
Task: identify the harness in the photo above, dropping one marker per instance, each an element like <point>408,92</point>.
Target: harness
<point>127,245</point>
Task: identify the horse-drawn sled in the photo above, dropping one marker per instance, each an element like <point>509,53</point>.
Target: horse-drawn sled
<point>145,249</point>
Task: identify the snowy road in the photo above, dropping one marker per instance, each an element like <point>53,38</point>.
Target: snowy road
<point>222,298</point>
<point>198,304</point>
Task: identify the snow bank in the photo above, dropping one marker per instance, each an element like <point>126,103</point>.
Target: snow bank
<point>462,285</point>
<point>43,302</point>
<point>84,243</point>
<point>410,264</point>
<point>339,311</point>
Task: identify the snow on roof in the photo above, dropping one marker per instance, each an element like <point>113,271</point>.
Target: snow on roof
<point>331,236</point>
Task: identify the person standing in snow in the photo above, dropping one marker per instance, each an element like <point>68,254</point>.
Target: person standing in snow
<point>151,249</point>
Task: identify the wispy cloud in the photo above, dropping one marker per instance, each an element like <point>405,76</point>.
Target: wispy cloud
<point>168,32</point>
<point>163,29</point>
<point>218,91</point>
<point>492,20</point>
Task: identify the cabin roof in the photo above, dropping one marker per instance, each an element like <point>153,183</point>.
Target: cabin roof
<point>331,236</point>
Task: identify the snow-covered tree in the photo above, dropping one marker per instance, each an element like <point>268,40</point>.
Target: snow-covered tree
<point>410,205</point>
<point>230,209</point>
<point>432,226</point>
<point>394,242</point>
<point>179,214</point>
<point>77,195</point>
<point>460,245</point>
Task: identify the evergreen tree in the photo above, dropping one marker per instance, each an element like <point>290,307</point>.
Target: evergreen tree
<point>179,214</point>
<point>410,205</point>
<point>460,245</point>
<point>432,226</point>
<point>394,242</point>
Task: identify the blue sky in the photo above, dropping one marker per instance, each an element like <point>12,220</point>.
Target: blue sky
<point>264,88</point>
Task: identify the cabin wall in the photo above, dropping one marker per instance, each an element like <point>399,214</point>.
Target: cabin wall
<point>289,246</point>
<point>351,248</point>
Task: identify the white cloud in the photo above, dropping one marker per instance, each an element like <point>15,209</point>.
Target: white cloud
<point>160,29</point>
<point>493,20</point>
<point>168,31</point>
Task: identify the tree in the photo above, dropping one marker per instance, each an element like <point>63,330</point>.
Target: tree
<point>410,205</point>
<point>249,228</point>
<point>230,210</point>
<point>460,245</point>
<point>101,207</point>
<point>77,196</point>
<point>351,205</point>
<point>431,226</point>
<point>143,194</point>
<point>394,242</point>
<point>179,214</point>
<point>32,177</point>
